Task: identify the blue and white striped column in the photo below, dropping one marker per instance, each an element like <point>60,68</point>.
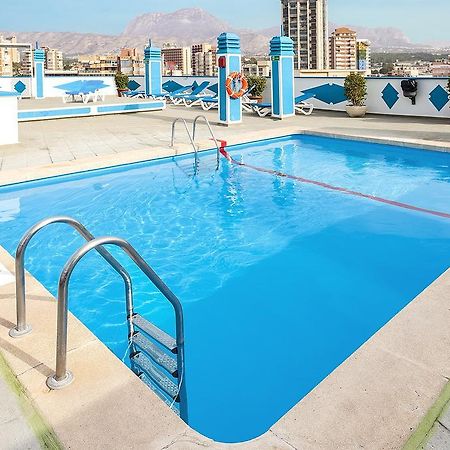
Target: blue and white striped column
<point>282,57</point>
<point>153,71</point>
<point>39,72</point>
<point>229,60</point>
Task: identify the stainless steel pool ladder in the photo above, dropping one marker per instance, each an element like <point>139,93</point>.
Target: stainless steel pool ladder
<point>192,136</point>
<point>148,358</point>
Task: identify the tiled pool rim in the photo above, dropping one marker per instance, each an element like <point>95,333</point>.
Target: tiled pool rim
<point>376,398</point>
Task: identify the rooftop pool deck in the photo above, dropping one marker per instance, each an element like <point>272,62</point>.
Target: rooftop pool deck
<point>374,400</point>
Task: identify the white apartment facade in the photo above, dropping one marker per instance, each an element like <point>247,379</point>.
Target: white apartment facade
<point>176,60</point>
<point>306,23</point>
<point>343,49</point>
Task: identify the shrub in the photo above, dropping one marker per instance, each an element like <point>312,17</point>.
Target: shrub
<point>448,85</point>
<point>356,89</point>
<point>121,80</point>
<point>258,84</point>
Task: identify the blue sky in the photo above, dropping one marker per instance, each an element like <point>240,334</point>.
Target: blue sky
<point>421,20</point>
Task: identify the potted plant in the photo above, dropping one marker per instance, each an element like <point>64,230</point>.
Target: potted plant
<point>256,86</point>
<point>121,83</point>
<point>356,91</point>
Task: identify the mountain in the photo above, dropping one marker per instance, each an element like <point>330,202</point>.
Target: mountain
<point>185,27</point>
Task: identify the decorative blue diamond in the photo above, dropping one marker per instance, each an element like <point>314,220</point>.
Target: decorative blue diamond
<point>439,97</point>
<point>133,85</point>
<point>390,95</point>
<point>330,93</point>
<point>19,87</point>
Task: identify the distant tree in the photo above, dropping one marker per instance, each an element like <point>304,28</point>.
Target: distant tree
<point>387,68</point>
<point>17,69</point>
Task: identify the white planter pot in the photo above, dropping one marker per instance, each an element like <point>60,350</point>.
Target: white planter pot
<point>356,111</point>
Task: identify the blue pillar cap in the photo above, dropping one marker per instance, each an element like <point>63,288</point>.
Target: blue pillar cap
<point>39,55</point>
<point>152,53</point>
<point>281,45</point>
<point>228,43</point>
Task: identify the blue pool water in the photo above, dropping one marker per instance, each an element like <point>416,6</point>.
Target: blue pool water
<point>280,281</point>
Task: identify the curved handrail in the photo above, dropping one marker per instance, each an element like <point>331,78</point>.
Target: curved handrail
<point>22,328</point>
<point>62,376</point>
<point>194,128</point>
<point>172,141</point>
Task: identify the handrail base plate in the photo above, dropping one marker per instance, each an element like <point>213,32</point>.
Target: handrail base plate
<point>15,333</point>
<point>55,385</point>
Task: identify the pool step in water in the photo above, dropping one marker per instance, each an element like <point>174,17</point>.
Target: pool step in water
<point>156,375</point>
<point>158,392</point>
<point>157,354</point>
<point>154,332</point>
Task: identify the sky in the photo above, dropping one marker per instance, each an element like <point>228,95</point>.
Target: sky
<point>422,20</point>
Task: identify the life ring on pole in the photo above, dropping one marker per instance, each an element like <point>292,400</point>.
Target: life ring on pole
<point>236,84</point>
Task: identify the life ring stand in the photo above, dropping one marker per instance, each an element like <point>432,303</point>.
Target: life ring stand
<point>236,76</point>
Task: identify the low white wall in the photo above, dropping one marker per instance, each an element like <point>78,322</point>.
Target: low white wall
<point>9,129</point>
<point>21,85</point>
<point>431,92</point>
<point>429,103</point>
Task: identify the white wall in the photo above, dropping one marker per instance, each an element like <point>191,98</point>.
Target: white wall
<point>50,83</point>
<point>9,130</point>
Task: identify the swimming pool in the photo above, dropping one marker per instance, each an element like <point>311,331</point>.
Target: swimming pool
<point>280,279</point>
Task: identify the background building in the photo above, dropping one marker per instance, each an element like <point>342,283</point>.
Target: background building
<point>130,61</point>
<point>176,60</point>
<point>205,63</point>
<point>98,64</point>
<point>9,56</point>
<point>343,50</point>
<point>306,23</point>
<point>363,55</point>
<point>260,67</point>
<point>53,60</point>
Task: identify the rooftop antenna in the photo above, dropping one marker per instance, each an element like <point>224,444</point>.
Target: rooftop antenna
<point>150,42</point>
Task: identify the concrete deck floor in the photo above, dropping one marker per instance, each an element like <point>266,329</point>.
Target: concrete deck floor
<point>47,142</point>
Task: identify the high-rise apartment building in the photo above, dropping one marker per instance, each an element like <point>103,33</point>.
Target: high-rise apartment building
<point>53,60</point>
<point>204,62</point>
<point>131,61</point>
<point>343,49</point>
<point>176,60</point>
<point>306,23</point>
<point>8,56</point>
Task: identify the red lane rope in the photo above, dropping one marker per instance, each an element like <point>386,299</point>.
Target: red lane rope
<point>330,186</point>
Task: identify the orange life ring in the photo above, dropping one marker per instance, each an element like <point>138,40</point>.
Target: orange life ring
<point>231,83</point>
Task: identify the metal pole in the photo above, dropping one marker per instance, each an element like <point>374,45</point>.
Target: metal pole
<point>22,328</point>
<point>194,127</point>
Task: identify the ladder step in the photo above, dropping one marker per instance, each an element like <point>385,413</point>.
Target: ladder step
<point>159,335</point>
<point>159,393</point>
<point>156,375</point>
<point>159,356</point>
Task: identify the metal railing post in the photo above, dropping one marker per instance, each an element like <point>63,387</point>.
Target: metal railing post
<point>194,128</point>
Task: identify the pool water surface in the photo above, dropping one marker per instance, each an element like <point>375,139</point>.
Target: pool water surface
<point>280,280</point>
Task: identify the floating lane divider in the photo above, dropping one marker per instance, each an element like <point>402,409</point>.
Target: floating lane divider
<point>224,153</point>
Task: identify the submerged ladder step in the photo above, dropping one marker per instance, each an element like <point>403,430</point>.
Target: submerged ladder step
<point>158,377</point>
<point>158,392</point>
<point>157,354</point>
<point>159,335</point>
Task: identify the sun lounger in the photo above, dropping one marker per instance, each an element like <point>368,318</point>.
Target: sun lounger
<point>301,106</point>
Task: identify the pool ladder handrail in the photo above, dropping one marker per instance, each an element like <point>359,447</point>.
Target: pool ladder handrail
<point>63,377</point>
<point>192,136</point>
<point>216,142</point>
<point>22,328</point>
<point>172,140</point>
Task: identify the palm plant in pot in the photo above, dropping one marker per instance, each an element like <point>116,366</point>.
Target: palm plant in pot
<point>256,86</point>
<point>121,80</point>
<point>356,91</point>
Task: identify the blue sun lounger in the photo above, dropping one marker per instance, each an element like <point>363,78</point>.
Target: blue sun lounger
<point>193,100</point>
<point>301,106</point>
<point>177,99</point>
